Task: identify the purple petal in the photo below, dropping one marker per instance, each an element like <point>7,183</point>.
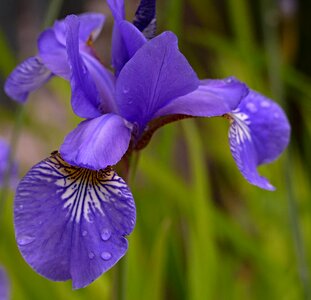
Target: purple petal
<point>25,78</point>
<point>71,223</point>
<point>126,40</point>
<point>53,54</point>
<point>212,98</point>
<point>91,25</point>
<point>4,285</point>
<point>145,18</point>
<point>157,74</point>
<point>92,85</point>
<point>259,134</point>
<point>97,143</point>
<point>117,9</point>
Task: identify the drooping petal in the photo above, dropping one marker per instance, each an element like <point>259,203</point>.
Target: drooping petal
<point>156,74</point>
<point>145,18</point>
<point>91,25</point>
<point>71,223</point>
<point>97,143</point>
<point>212,98</point>
<point>259,134</point>
<point>53,54</point>
<point>126,40</point>
<point>4,285</point>
<point>25,78</point>
<point>92,85</point>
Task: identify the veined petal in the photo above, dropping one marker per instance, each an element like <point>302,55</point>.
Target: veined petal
<point>126,40</point>
<point>258,134</point>
<point>97,143</point>
<point>212,98</point>
<point>53,54</point>
<point>154,76</point>
<point>145,18</point>
<point>25,78</point>
<point>85,98</point>
<point>4,285</point>
<point>71,223</point>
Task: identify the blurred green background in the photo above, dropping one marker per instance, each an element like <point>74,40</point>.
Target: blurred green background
<point>202,231</point>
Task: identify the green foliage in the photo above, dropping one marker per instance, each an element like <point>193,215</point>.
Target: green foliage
<point>202,232</point>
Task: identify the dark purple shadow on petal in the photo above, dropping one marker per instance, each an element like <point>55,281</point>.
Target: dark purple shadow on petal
<point>4,285</point>
<point>25,78</point>
<point>154,76</point>
<point>212,98</point>
<point>259,134</point>
<point>71,223</point>
<point>126,40</point>
<point>145,18</point>
<point>97,143</point>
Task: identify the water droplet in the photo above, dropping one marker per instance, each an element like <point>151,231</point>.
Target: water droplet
<point>84,233</point>
<point>91,255</point>
<point>25,240</point>
<point>228,80</point>
<point>276,115</point>
<point>251,107</point>
<point>21,206</point>
<point>106,234</point>
<point>106,255</point>
<point>265,104</point>
<point>126,90</point>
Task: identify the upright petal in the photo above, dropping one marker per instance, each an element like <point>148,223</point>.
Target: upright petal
<point>91,25</point>
<point>4,285</point>
<point>212,98</point>
<point>156,74</point>
<point>126,40</point>
<point>86,97</point>
<point>53,54</point>
<point>25,78</point>
<point>71,223</point>
<point>145,18</point>
<point>97,143</point>
<point>117,9</point>
<point>258,134</point>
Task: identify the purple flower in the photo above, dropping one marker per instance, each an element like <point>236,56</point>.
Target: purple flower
<point>4,285</point>
<point>4,164</point>
<point>51,59</point>
<point>72,211</point>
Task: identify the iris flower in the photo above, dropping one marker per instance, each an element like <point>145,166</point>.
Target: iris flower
<point>72,211</point>
<point>51,59</point>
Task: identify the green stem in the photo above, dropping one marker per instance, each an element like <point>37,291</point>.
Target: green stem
<point>270,26</point>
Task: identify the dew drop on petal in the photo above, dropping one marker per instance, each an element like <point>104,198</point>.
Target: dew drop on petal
<point>276,115</point>
<point>91,255</point>
<point>265,104</point>
<point>126,90</point>
<point>228,80</point>
<point>84,233</point>
<point>25,240</point>
<point>106,234</point>
<point>105,255</point>
<point>251,107</point>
